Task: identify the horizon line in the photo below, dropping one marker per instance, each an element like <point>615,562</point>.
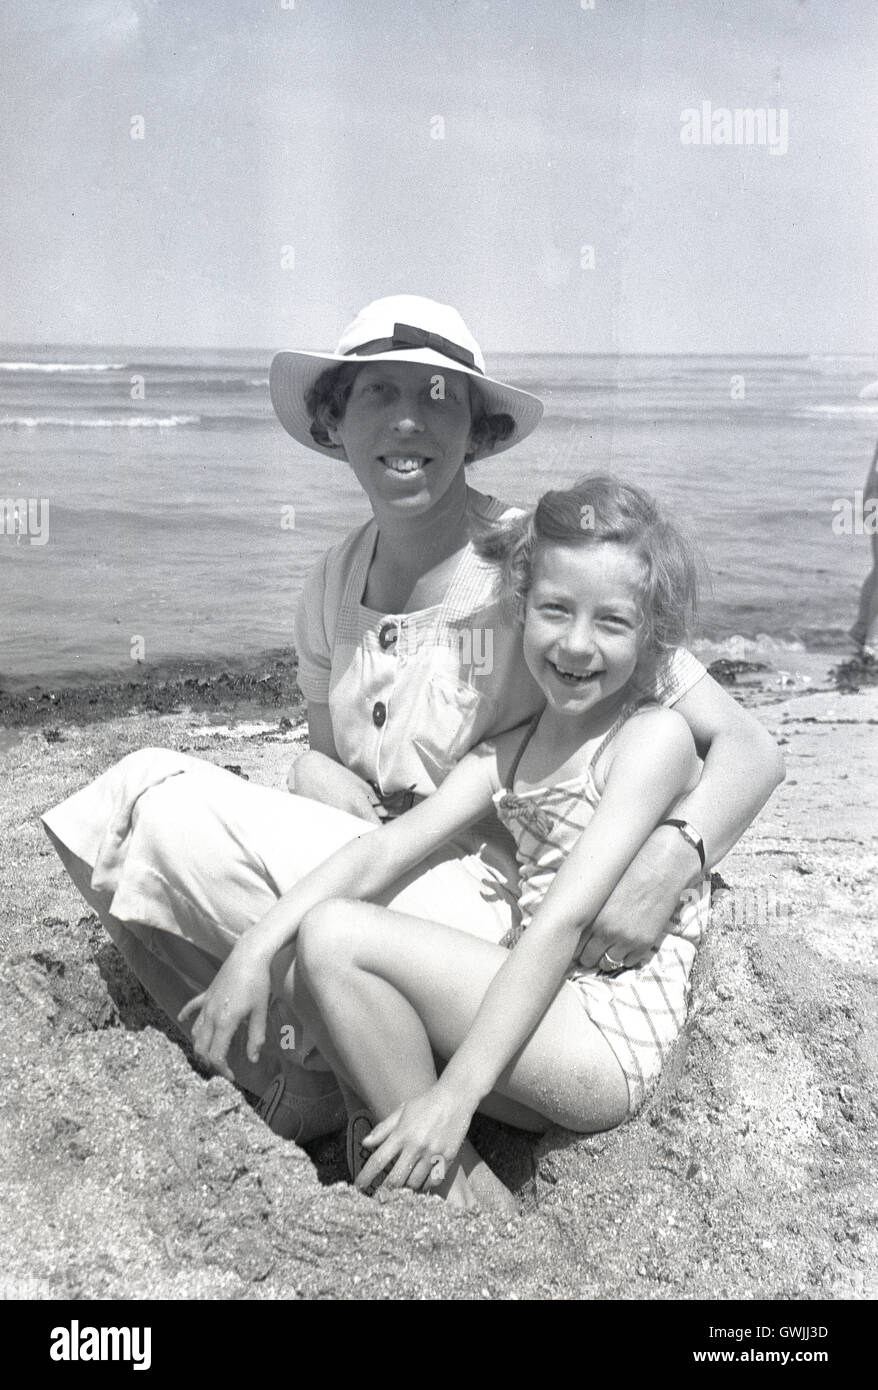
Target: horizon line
<point>269,352</point>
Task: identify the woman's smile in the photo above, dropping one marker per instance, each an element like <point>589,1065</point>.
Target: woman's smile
<point>405,463</point>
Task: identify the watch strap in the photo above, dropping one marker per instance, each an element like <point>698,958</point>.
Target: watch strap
<point>691,836</point>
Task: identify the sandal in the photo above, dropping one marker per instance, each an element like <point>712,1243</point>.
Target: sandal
<point>301,1106</point>
<point>270,1100</point>
<point>360,1123</point>
<point>288,1124</point>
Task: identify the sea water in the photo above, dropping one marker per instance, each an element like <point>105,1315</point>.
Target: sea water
<point>179,519</point>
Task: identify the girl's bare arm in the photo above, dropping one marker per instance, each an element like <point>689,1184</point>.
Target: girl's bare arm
<point>654,762</point>
<point>371,863</point>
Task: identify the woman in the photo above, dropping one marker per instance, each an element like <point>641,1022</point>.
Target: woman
<point>394,634</point>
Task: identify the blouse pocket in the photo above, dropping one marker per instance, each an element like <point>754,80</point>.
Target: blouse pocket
<point>450,719</point>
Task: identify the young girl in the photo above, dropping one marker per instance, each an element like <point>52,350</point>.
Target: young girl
<point>606,590</point>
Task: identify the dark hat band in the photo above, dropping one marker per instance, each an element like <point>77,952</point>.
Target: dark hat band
<point>406,335</point>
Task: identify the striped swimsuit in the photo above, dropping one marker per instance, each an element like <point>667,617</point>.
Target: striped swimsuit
<point>640,1011</point>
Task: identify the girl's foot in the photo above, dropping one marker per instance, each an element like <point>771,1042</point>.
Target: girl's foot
<point>471,1184</point>
<point>456,1190</point>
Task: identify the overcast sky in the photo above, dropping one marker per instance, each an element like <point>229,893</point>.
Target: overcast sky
<point>314,127</point>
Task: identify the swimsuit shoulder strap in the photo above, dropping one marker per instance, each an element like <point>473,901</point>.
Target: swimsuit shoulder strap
<point>529,733</point>
<point>611,733</point>
<point>608,739</point>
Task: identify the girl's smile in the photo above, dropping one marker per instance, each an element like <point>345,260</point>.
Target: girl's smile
<point>405,432</point>
<point>582,625</point>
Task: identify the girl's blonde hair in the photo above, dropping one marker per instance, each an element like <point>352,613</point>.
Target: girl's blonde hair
<point>596,510</point>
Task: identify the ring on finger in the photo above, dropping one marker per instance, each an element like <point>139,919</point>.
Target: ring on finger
<point>608,963</point>
<point>425,1181</point>
<point>437,1169</point>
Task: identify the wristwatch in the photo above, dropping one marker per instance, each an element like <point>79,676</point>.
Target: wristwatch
<point>691,835</point>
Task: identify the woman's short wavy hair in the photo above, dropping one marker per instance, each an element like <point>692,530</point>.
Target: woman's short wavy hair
<point>596,510</point>
<point>327,400</point>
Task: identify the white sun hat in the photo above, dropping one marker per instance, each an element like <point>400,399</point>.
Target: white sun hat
<point>400,328</point>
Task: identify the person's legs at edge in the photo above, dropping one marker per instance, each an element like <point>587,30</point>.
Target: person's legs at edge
<point>865,629</point>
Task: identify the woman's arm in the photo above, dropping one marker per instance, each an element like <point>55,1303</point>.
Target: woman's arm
<point>320,735</point>
<point>742,767</point>
<point>320,774</point>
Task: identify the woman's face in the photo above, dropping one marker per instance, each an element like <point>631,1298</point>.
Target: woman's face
<point>405,432</point>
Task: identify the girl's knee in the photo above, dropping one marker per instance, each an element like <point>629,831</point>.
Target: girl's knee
<point>327,939</point>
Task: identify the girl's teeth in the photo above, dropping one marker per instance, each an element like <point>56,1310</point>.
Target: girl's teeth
<point>575,675</point>
<point>403,465</point>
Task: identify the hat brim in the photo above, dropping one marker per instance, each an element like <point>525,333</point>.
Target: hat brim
<point>293,374</point>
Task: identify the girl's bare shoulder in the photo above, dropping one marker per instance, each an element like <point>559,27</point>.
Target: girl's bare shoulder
<point>652,729</point>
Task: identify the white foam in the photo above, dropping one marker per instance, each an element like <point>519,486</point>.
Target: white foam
<point>738,648</point>
<point>850,409</point>
<point>841,356</point>
<point>62,366</point>
<point>129,422</point>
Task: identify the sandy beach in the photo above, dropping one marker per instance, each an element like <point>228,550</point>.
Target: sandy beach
<point>129,1174</point>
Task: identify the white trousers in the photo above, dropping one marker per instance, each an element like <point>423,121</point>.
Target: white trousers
<point>179,857</point>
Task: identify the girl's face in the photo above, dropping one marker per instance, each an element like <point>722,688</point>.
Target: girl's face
<point>405,433</point>
<point>582,629</point>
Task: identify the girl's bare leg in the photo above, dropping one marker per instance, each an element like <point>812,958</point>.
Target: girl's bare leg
<point>391,989</point>
<point>397,1069</point>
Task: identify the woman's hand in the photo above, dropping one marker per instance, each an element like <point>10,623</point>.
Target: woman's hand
<point>635,919</point>
<point>239,991</point>
<point>421,1139</point>
<point>321,778</point>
